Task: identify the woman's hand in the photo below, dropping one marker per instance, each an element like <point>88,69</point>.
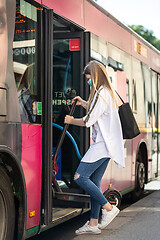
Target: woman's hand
<point>68,119</point>
<point>80,101</point>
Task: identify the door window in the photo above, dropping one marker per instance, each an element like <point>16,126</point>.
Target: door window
<point>154,124</point>
<point>66,75</point>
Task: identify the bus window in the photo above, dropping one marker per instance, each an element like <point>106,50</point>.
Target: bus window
<point>154,101</point>
<point>25,50</point>
<point>134,99</point>
<point>147,95</point>
<point>127,90</point>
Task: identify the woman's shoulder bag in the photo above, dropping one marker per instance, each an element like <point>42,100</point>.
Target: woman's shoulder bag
<point>129,125</point>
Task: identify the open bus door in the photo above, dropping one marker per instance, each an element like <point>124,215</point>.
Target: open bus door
<point>71,52</point>
<point>66,51</point>
<point>158,125</point>
<point>155,155</point>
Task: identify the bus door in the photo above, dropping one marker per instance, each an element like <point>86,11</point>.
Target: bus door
<point>158,126</point>
<point>70,54</point>
<point>154,124</point>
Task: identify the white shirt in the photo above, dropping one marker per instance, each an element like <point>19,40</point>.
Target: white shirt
<point>104,119</point>
<point>97,149</point>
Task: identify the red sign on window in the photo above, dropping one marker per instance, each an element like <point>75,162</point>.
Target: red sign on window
<point>75,44</point>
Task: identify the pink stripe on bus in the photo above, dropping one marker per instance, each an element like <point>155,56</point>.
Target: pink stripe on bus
<point>31,163</point>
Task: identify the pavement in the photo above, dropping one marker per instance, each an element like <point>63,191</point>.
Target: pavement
<point>140,221</point>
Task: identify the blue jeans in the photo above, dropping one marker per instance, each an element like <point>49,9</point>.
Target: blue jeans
<point>89,178</point>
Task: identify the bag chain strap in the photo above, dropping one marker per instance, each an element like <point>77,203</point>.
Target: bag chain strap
<point>120,97</point>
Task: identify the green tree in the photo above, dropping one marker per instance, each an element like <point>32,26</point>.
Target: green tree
<point>147,35</point>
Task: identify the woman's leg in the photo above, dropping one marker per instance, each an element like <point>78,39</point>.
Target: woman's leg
<point>96,179</point>
<point>82,178</point>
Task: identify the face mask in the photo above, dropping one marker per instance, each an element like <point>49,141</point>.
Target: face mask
<point>89,82</point>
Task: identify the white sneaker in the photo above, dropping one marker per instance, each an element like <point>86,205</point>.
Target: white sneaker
<point>107,217</point>
<point>87,229</point>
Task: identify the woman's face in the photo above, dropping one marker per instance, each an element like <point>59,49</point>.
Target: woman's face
<point>89,80</point>
<point>88,76</point>
<point>3,41</point>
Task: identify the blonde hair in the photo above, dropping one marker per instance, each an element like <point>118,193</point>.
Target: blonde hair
<point>25,80</point>
<point>99,78</point>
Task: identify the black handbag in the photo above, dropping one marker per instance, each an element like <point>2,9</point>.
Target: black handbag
<point>129,125</point>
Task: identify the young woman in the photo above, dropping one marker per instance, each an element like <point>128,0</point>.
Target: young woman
<point>102,116</point>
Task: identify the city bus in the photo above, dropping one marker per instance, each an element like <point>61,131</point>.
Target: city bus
<point>44,46</point>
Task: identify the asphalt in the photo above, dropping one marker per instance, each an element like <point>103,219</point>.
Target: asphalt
<point>140,221</point>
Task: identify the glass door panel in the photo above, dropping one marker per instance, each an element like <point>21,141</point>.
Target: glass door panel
<point>66,75</point>
<point>158,125</point>
<point>154,124</point>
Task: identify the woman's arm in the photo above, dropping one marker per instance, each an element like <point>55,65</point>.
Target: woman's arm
<point>74,121</point>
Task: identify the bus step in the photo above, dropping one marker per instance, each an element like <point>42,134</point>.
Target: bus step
<point>75,197</point>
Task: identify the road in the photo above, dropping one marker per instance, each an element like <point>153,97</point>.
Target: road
<point>66,231</point>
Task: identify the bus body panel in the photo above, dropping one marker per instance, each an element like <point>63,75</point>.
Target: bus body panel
<point>124,45</point>
<point>115,32</point>
<point>76,15</point>
<point>31,164</point>
<point>38,1</point>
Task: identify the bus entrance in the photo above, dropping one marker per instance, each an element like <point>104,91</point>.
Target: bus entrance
<point>66,75</point>
<point>70,54</point>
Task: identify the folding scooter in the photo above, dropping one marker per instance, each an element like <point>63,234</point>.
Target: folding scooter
<point>67,196</point>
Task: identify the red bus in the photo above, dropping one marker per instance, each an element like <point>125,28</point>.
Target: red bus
<point>44,46</point>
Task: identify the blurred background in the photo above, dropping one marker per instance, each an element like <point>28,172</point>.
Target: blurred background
<point>142,16</point>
